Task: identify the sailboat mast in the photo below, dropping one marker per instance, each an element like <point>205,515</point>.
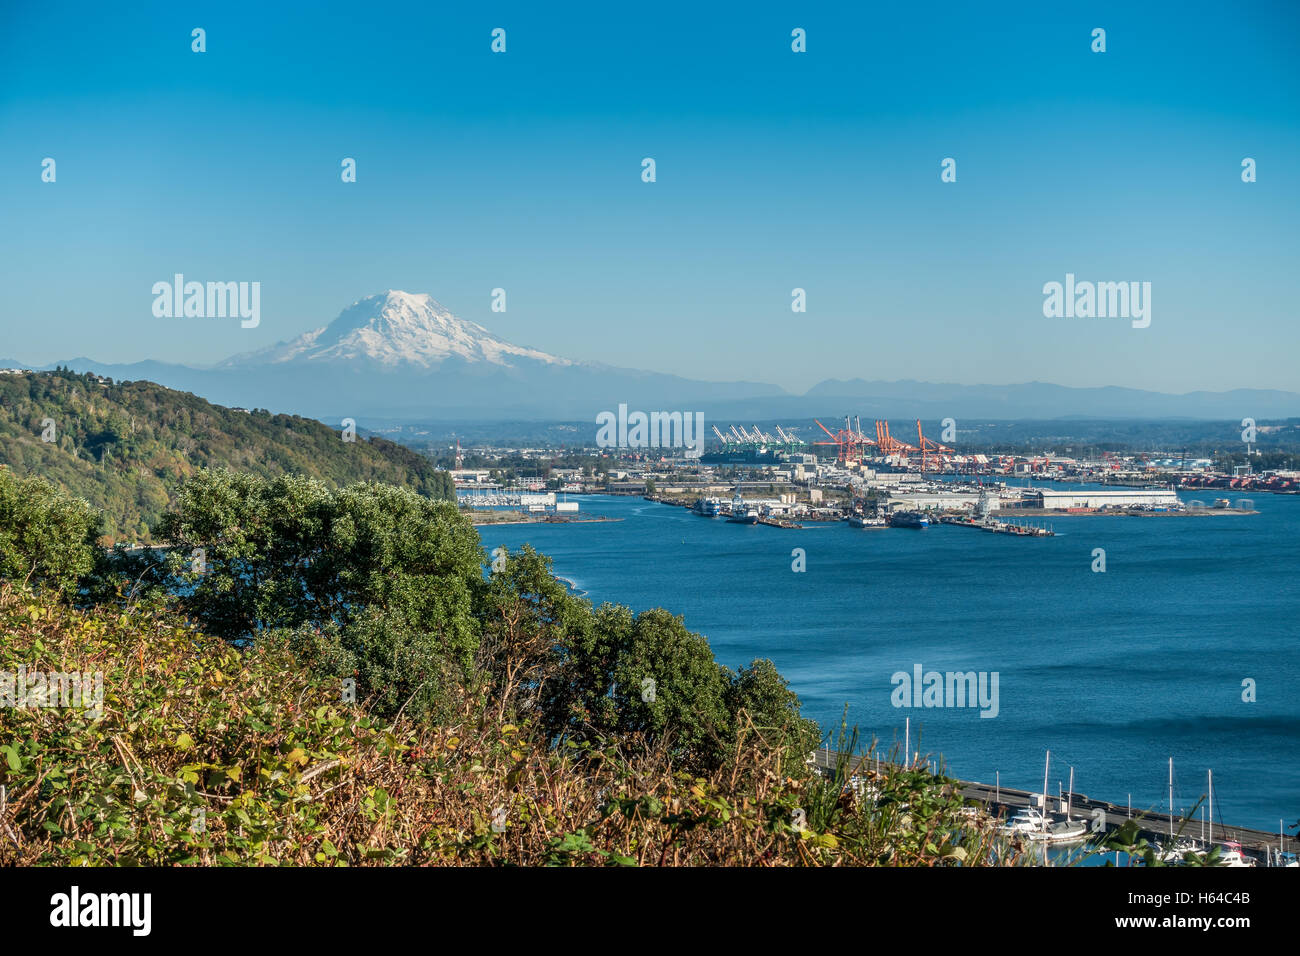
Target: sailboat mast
<point>1069,797</point>
<point>1210,777</point>
<point>1045,768</point>
<point>1171,798</point>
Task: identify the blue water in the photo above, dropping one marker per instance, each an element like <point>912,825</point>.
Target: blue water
<point>1115,672</point>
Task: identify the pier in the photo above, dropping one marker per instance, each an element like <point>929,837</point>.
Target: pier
<point>1100,815</point>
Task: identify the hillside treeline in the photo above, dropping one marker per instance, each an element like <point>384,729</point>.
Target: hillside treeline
<point>126,447</point>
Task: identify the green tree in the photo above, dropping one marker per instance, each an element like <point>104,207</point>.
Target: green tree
<point>528,617</point>
<point>643,674</point>
<point>46,536</point>
<point>251,554</point>
<point>396,666</point>
<point>761,694</point>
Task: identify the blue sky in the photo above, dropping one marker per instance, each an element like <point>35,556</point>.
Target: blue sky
<point>775,170</point>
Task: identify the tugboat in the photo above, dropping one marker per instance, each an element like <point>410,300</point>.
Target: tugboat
<point>908,519</point>
<point>706,508</point>
<point>742,513</point>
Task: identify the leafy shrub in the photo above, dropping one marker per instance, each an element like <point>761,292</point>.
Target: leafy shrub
<point>46,537</point>
<point>251,553</point>
<point>210,754</point>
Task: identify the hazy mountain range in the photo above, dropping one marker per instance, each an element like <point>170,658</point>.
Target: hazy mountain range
<point>402,357</point>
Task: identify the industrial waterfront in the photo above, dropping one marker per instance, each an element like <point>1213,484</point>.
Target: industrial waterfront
<point>753,476</point>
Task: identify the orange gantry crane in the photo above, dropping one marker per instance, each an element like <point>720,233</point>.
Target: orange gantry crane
<point>930,446</point>
<point>888,444</point>
<point>848,441</point>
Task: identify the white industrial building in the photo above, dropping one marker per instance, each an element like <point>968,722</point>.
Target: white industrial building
<point>940,500</point>
<point>1124,498</point>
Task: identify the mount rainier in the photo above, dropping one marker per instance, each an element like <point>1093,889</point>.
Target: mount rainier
<point>402,357</point>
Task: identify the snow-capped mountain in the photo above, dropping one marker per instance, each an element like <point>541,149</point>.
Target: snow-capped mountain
<point>398,356</point>
<point>396,329</point>
<point>401,356</point>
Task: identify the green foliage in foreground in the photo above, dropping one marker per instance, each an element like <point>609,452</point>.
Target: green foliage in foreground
<point>126,447</point>
<point>252,554</point>
<point>209,754</point>
<point>394,704</point>
<point>384,591</point>
<point>46,537</point>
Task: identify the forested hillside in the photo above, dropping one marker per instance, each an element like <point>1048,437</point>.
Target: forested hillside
<point>125,447</point>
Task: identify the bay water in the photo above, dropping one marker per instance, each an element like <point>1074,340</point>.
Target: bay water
<point>1114,671</point>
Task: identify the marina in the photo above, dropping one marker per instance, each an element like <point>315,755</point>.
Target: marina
<point>1077,817</point>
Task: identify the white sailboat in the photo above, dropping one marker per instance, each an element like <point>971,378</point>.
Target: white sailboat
<point>1066,831</point>
<point>1283,857</point>
<point>1231,855</point>
<point>1176,852</point>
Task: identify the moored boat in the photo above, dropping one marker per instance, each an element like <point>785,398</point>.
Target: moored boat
<point>1065,831</point>
<point>857,520</point>
<point>1176,851</point>
<point>1231,855</point>
<point>742,513</point>
<point>707,507</point>
<point>908,519</point>
<point>1026,821</point>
